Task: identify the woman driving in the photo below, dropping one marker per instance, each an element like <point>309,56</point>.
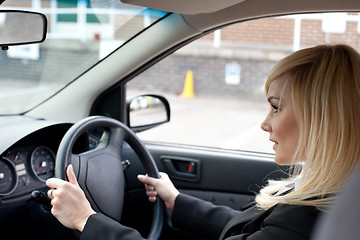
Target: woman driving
<point>314,99</point>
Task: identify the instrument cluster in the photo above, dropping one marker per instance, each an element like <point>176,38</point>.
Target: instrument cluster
<point>24,169</point>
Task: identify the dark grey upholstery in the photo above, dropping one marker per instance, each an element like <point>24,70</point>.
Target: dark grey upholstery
<point>342,222</point>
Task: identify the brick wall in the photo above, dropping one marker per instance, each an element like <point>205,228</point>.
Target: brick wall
<point>255,45</point>
<point>280,32</point>
<point>208,76</point>
<point>272,31</point>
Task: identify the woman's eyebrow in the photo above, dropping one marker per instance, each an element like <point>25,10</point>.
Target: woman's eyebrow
<point>272,98</point>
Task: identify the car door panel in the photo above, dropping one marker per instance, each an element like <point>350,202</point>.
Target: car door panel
<point>222,177</point>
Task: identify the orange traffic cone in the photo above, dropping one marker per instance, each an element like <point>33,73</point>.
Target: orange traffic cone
<point>188,91</point>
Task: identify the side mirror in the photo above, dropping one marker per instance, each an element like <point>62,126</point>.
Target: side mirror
<point>21,27</point>
<point>147,111</point>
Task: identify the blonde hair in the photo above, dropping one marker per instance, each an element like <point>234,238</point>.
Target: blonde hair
<point>325,88</point>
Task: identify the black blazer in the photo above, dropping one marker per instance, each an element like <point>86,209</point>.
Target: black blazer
<point>281,222</point>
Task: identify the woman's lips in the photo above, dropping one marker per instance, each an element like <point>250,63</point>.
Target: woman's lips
<point>275,143</point>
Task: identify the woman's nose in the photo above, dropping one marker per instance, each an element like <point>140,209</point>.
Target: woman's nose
<point>265,125</point>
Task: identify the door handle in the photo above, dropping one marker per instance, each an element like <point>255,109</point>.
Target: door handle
<point>182,168</point>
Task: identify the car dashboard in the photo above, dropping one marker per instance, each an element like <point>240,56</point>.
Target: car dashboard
<point>25,168</point>
<point>28,149</point>
<point>27,159</point>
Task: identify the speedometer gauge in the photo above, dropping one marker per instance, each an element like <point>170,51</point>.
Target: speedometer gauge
<point>43,163</point>
<point>8,177</point>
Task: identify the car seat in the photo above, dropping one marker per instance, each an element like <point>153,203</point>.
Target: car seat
<point>342,219</point>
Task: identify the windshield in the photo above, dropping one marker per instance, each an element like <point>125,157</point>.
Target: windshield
<point>80,33</point>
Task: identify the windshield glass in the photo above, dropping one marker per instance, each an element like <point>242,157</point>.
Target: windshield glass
<point>80,33</point>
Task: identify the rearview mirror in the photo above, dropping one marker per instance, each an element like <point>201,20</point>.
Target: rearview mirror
<point>21,27</point>
<point>147,111</point>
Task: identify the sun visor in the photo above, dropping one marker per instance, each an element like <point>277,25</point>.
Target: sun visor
<point>185,6</point>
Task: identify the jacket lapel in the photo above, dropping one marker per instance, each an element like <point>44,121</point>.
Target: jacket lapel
<point>241,218</point>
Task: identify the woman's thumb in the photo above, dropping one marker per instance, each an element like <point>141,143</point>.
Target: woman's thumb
<point>71,175</point>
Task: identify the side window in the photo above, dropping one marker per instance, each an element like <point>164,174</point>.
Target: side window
<point>215,85</point>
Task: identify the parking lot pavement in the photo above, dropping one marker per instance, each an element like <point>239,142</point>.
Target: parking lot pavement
<point>228,123</point>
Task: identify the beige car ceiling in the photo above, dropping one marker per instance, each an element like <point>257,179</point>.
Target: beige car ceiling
<point>185,6</point>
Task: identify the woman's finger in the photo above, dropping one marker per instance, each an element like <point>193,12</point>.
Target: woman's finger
<point>152,199</point>
<point>151,193</point>
<point>147,180</point>
<point>149,187</point>
<point>55,183</point>
<point>50,193</point>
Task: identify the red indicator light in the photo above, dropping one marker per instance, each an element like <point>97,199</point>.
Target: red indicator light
<point>190,168</point>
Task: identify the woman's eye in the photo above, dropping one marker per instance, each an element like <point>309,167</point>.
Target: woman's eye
<point>276,108</point>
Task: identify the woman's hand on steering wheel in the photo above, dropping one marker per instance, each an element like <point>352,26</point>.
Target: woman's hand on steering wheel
<point>69,204</point>
<point>162,187</point>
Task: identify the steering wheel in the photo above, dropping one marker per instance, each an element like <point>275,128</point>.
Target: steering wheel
<point>100,171</point>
